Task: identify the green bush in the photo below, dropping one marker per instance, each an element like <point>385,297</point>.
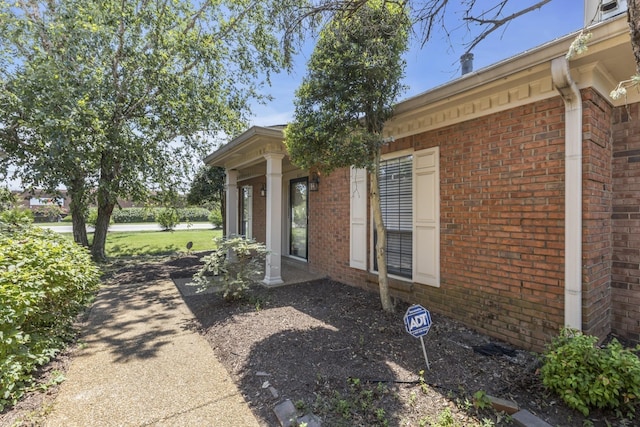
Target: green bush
<point>215,218</point>
<point>193,214</point>
<point>129,215</point>
<point>587,376</point>
<point>45,281</point>
<point>92,217</point>
<point>47,213</point>
<point>237,262</point>
<point>16,216</point>
<point>168,218</point>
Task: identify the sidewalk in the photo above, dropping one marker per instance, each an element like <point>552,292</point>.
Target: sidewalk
<point>142,363</point>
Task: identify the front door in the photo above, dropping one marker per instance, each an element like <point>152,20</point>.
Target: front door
<point>298,217</point>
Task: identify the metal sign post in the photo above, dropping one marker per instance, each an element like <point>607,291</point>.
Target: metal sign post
<point>424,351</point>
<point>417,321</point>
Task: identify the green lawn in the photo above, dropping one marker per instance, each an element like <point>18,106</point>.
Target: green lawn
<point>125,244</point>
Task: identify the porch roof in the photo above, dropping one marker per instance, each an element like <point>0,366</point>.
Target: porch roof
<point>246,153</point>
<point>250,145</point>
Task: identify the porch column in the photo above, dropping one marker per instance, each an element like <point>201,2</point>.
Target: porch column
<point>231,189</point>
<point>272,272</point>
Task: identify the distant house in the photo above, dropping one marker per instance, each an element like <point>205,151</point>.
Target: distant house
<point>511,196</point>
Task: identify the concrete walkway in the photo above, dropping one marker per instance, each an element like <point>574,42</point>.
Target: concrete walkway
<point>142,363</point>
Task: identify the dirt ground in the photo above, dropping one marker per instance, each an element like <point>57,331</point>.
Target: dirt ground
<point>333,352</point>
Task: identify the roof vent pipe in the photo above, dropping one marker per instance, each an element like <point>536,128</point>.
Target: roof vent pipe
<point>466,61</point>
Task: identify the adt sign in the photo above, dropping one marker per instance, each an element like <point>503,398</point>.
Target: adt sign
<point>417,321</point>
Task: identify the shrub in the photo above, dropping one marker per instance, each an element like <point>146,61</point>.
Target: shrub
<point>215,218</point>
<point>16,216</point>
<point>92,217</point>
<point>237,262</point>
<point>193,214</point>
<point>587,376</point>
<point>47,213</point>
<point>129,215</point>
<point>45,281</point>
<point>168,218</point>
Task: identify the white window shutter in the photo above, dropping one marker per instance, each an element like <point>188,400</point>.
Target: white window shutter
<point>426,217</point>
<point>358,219</point>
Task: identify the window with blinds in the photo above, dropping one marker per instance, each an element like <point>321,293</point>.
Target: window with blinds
<point>396,188</point>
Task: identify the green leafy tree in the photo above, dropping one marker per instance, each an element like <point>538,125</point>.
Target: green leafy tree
<point>341,107</point>
<point>207,189</point>
<point>114,98</point>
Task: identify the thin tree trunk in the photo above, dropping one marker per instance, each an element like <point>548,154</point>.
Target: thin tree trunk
<point>381,243</point>
<point>633,17</point>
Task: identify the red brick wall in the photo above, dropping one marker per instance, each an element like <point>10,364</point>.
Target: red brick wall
<point>626,222</point>
<point>597,195</point>
<point>329,229</point>
<point>502,222</point>
<point>502,229</point>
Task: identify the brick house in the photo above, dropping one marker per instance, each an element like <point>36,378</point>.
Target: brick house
<point>511,196</point>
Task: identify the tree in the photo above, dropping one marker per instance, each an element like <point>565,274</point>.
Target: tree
<point>342,104</point>
<point>480,18</point>
<point>207,188</point>
<point>113,98</point>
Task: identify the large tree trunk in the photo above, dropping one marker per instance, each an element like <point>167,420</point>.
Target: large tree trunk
<point>381,240</point>
<point>106,203</point>
<point>633,17</point>
<point>78,210</point>
<point>105,209</point>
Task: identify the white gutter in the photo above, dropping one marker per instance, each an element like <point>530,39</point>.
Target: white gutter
<point>573,192</point>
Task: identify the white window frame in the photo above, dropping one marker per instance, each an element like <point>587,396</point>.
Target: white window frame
<point>426,217</point>
<point>358,218</point>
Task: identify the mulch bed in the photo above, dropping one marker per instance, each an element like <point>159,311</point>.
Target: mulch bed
<point>333,352</point>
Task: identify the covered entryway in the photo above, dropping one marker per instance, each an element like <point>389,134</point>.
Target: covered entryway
<point>267,196</point>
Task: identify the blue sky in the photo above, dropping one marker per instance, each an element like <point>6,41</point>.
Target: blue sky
<point>438,61</point>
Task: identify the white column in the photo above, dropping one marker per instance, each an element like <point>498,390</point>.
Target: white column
<point>272,273</point>
<point>231,188</point>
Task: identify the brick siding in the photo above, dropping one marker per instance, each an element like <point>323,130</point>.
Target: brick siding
<point>597,196</point>
<point>502,224</point>
<point>626,222</point>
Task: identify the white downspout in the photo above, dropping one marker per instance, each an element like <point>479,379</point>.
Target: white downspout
<point>573,192</point>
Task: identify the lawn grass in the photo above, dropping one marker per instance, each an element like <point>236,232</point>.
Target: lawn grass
<point>140,243</point>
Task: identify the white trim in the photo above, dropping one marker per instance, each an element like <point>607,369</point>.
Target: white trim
<point>247,205</point>
<point>231,189</point>
<point>273,274</point>
<point>573,192</point>
<point>426,216</point>
<point>358,218</point>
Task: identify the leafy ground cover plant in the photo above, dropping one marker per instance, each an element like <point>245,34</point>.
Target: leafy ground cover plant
<point>587,376</point>
<point>45,281</point>
<point>235,265</point>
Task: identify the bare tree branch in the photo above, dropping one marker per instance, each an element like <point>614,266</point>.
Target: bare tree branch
<point>494,24</point>
<point>427,15</point>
